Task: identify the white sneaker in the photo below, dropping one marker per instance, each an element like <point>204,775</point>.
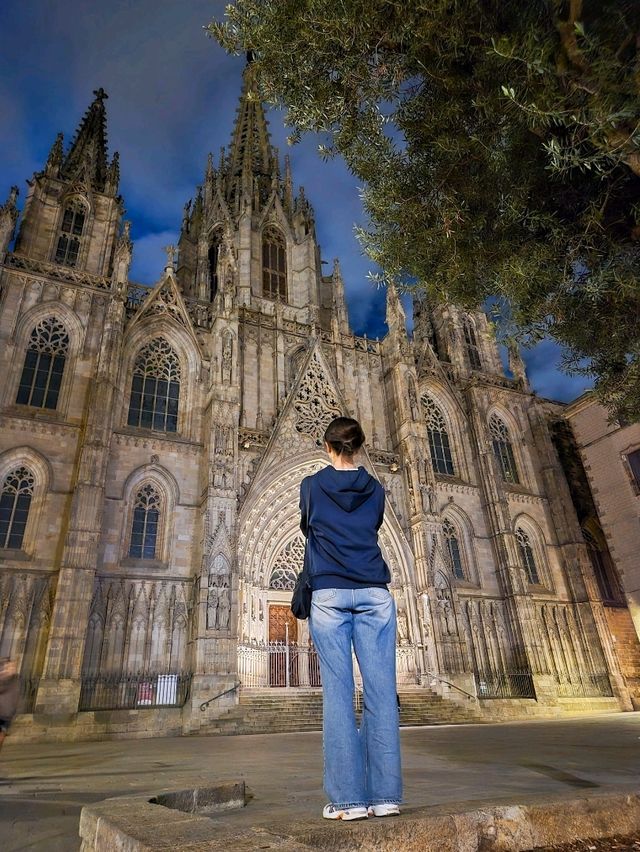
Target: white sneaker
<point>332,812</point>
<point>384,809</point>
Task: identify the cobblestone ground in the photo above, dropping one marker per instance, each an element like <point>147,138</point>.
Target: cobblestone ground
<point>606,844</point>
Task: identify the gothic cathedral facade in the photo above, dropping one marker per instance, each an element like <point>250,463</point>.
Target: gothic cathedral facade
<point>154,438</point>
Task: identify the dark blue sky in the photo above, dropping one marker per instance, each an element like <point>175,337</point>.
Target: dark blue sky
<point>172,98</point>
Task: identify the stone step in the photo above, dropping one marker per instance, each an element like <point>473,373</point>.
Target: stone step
<point>278,710</point>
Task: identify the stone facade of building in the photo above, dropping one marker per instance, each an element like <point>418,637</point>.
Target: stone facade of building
<point>153,441</point>
<point>610,456</point>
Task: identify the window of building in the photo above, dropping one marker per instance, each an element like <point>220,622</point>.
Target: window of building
<point>44,365</point>
<point>603,568</point>
<point>214,256</point>
<point>438,435</point>
<point>633,459</point>
<point>527,556</point>
<point>70,235</point>
<point>453,549</point>
<point>503,449</point>
<point>287,565</point>
<point>471,343</point>
<point>17,491</point>
<point>274,264</point>
<point>155,388</point>
<point>144,530</point>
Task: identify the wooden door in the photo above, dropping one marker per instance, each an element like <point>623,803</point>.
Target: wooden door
<point>279,616</point>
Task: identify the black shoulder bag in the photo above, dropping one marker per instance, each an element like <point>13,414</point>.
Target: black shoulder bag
<point>301,598</point>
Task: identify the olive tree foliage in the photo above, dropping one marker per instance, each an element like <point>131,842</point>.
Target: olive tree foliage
<point>498,145</point>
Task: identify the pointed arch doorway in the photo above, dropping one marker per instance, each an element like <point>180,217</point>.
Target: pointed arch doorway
<point>293,661</point>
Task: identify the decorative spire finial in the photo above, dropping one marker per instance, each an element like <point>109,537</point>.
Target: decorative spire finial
<point>171,258</point>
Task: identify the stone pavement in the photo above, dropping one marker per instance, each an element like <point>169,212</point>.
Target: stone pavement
<point>43,787</point>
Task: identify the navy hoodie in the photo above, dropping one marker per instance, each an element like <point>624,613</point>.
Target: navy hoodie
<point>341,513</point>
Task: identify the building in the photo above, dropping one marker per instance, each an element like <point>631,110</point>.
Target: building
<point>607,506</point>
<point>153,441</point>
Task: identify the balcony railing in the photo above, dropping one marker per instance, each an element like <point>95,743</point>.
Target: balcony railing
<point>134,691</point>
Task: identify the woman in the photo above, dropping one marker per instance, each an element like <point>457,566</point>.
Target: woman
<point>342,508</point>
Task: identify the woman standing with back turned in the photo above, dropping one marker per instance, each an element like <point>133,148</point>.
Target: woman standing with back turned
<point>342,508</point>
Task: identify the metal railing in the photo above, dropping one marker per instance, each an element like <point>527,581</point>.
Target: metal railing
<point>278,664</point>
<point>518,684</point>
<point>134,691</point>
<point>577,685</point>
<point>209,701</point>
<point>459,689</point>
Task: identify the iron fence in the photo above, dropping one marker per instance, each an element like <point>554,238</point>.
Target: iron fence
<point>577,685</point>
<point>518,684</point>
<point>278,664</point>
<point>134,691</point>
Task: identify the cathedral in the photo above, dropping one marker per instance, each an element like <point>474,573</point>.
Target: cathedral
<point>154,438</point>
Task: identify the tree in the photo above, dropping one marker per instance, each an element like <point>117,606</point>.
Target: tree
<point>499,147</point>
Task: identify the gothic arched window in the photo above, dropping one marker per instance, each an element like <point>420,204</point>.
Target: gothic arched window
<point>438,437</point>
<point>453,548</point>
<point>70,234</point>
<point>17,491</point>
<point>602,568</point>
<point>471,343</point>
<point>214,256</point>
<point>287,565</point>
<point>44,365</point>
<point>527,556</point>
<point>155,387</point>
<point>144,530</point>
<point>503,449</point>
<point>274,264</point>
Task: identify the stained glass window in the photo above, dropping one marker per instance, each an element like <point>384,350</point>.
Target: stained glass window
<point>527,556</point>
<point>144,531</point>
<point>471,343</point>
<point>17,491</point>
<point>502,449</point>
<point>155,387</point>
<point>453,548</point>
<point>44,365</point>
<point>68,246</point>
<point>274,265</point>
<point>438,437</point>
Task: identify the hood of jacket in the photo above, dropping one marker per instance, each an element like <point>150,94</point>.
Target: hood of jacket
<point>349,489</point>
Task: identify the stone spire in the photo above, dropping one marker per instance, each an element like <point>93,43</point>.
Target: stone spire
<point>87,158</point>
<point>8,219</point>
<point>396,317</point>
<point>251,159</point>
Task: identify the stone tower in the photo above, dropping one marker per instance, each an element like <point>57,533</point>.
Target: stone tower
<point>154,439</point>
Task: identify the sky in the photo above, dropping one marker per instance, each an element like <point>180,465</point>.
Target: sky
<point>173,93</point>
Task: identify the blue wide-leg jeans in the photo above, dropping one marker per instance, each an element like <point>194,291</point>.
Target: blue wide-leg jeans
<point>360,767</point>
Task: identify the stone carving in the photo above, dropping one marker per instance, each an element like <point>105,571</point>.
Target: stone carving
<point>429,499</point>
<point>316,404</point>
<point>445,609</point>
<point>287,565</point>
<point>218,599</point>
<point>403,626</point>
<point>227,357</point>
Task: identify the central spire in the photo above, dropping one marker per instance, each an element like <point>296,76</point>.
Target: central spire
<point>87,157</point>
<point>251,162</point>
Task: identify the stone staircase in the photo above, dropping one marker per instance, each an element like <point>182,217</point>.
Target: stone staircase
<point>267,711</point>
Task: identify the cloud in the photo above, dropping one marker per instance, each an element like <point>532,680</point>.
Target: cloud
<point>149,257</point>
<point>173,94</point>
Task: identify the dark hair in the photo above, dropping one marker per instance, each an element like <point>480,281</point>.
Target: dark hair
<point>344,435</point>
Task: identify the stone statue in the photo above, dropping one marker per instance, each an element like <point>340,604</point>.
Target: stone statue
<point>429,499</point>
<point>227,359</point>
